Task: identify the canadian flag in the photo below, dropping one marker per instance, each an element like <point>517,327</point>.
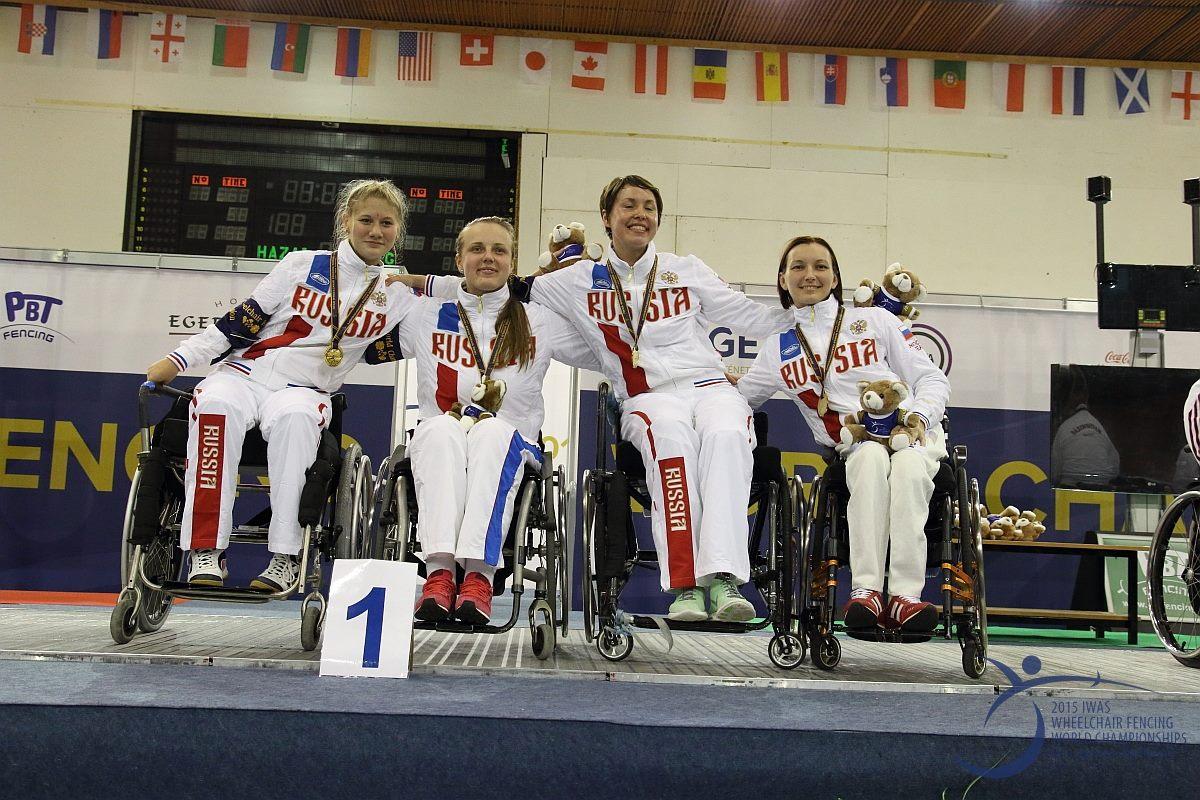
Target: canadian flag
<point>591,60</point>
<point>535,61</point>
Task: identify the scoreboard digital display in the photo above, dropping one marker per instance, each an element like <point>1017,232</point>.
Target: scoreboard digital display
<point>256,188</point>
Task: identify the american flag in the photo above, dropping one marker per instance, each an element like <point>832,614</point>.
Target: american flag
<point>415,60</point>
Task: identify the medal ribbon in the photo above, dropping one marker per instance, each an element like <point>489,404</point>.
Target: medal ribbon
<point>626,317</point>
<point>822,370</point>
<point>472,342</point>
<point>337,331</point>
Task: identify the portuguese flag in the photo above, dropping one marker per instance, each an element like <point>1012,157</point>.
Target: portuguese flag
<point>950,84</point>
<point>231,40</point>
<point>291,47</point>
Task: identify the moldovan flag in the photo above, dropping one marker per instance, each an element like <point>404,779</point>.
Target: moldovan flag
<point>591,60</point>
<point>708,74</point>
<point>1008,86</point>
<point>168,33</point>
<point>37,30</point>
<point>105,27</point>
<point>535,61</point>
<point>291,47</point>
<point>1066,90</point>
<point>353,58</point>
<point>650,69</point>
<point>231,40</point>
<point>891,84</point>
<point>830,72</point>
<point>414,56</point>
<point>1185,93</point>
<point>476,49</point>
<point>771,76</point>
<point>950,84</point>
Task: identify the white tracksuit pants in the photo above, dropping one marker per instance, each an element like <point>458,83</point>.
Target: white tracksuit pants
<point>466,484</point>
<point>1191,419</point>
<point>698,447</point>
<point>224,409</point>
<point>889,502</point>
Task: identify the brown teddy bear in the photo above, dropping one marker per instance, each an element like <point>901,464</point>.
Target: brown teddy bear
<point>485,403</point>
<point>568,244</point>
<point>900,288</point>
<point>880,419</point>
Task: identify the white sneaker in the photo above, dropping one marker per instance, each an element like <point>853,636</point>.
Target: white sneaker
<point>207,568</point>
<point>280,574</point>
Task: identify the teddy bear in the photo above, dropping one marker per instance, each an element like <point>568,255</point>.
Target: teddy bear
<point>568,244</point>
<point>900,288</point>
<point>880,419</point>
<point>485,403</point>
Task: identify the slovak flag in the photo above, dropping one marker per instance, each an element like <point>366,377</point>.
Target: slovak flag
<point>37,29</point>
<point>891,82</point>
<point>831,79</point>
<point>1066,91</point>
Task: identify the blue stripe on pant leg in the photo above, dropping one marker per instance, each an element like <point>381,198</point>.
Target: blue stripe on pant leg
<point>508,473</point>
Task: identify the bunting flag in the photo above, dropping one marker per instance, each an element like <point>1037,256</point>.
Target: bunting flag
<point>105,27</point>
<point>950,84</point>
<point>353,59</point>
<point>650,69</point>
<point>37,29</point>
<point>1133,94</point>
<point>591,61</point>
<point>476,49</point>
<point>708,74</point>
<point>535,61</point>
<point>168,34</point>
<point>891,85</point>
<point>414,56</point>
<point>1008,82</point>
<point>1066,90</point>
<point>231,42</point>
<point>771,76</point>
<point>291,47</point>
<point>1185,93</point>
<point>830,73</point>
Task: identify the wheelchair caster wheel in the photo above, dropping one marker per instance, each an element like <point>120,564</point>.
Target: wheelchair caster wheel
<point>826,651</point>
<point>974,659</point>
<point>122,623</point>
<point>614,646</point>
<point>543,640</point>
<point>787,651</point>
<point>310,627</point>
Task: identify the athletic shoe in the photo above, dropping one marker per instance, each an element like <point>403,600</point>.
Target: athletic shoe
<point>281,573</point>
<point>474,604</point>
<point>688,606</point>
<point>910,614</point>
<point>726,601</point>
<point>207,568</point>
<point>863,610</point>
<point>437,598</point>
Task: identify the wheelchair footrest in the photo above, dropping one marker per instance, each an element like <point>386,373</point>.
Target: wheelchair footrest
<point>708,626</point>
<point>224,594</point>
<point>899,637</point>
<point>453,626</point>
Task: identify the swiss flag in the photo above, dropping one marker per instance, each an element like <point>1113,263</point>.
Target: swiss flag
<point>476,50</point>
<point>591,60</point>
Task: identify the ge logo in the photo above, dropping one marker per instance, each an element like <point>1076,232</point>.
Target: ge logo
<point>935,344</point>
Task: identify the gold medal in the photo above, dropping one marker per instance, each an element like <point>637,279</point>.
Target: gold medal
<point>634,333</point>
<point>333,356</point>
<point>635,357</point>
<point>822,405</point>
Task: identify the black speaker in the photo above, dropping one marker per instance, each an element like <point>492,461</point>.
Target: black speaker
<point>1099,189</point>
<point>1191,191</point>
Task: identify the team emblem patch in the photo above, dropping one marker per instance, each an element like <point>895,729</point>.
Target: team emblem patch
<point>379,298</point>
<point>858,327</point>
<point>670,278</point>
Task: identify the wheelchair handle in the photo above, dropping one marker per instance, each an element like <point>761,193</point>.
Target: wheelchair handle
<point>144,391</point>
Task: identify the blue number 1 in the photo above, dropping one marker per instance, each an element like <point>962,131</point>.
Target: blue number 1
<point>372,604</point>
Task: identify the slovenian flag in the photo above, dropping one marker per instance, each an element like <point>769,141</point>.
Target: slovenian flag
<point>1066,90</point>
<point>291,47</point>
<point>891,82</point>
<point>353,53</point>
<point>708,74</point>
<point>831,79</point>
<point>37,29</point>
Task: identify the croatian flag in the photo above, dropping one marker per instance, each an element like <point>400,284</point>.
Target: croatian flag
<point>37,29</point>
<point>831,79</point>
<point>891,82</point>
<point>1066,91</point>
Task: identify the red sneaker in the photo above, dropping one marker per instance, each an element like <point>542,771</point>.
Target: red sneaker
<point>474,604</point>
<point>863,610</point>
<point>910,614</point>
<point>437,598</point>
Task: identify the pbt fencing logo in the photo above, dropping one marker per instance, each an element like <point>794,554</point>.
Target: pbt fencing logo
<point>935,344</point>
<point>29,317</point>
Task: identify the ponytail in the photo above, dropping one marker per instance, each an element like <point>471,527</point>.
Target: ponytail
<point>518,337</point>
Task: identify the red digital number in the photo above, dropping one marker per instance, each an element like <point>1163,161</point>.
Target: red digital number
<point>199,180</point>
<point>418,192</point>
<point>450,194</point>
<point>231,182</point>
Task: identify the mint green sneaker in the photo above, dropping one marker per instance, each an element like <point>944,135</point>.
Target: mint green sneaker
<point>688,606</point>
<point>727,602</point>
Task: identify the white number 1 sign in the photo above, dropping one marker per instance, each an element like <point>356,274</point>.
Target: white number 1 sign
<point>368,625</point>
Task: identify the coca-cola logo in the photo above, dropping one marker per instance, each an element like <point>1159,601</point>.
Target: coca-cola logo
<point>1118,358</point>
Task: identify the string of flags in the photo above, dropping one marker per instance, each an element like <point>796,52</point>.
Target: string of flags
<point>168,39</point>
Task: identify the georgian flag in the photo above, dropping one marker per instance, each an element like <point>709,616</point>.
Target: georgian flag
<point>1066,91</point>
<point>37,29</point>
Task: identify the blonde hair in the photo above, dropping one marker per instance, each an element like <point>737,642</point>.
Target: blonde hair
<point>503,223</point>
<point>516,345</point>
<point>357,191</point>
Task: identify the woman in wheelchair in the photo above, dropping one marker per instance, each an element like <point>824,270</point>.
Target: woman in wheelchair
<point>278,356</point>
<point>467,473</point>
<point>818,363</point>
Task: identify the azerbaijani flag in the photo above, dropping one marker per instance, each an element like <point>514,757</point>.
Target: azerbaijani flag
<point>231,41</point>
<point>37,29</point>
<point>708,74</point>
<point>950,84</point>
<point>353,53</point>
<point>291,47</point>
<point>771,76</point>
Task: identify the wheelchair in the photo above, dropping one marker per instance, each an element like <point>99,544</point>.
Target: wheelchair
<point>955,548</point>
<point>335,508</point>
<point>612,551</point>
<point>1173,578</point>
<point>539,528</point>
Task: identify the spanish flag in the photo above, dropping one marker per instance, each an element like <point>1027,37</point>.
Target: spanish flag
<point>771,76</point>
<point>708,74</point>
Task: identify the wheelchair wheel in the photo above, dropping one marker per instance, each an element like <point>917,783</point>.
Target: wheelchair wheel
<point>566,538</point>
<point>981,621</point>
<point>591,602</point>
<point>787,651</point>
<point>974,658</point>
<point>614,645</point>
<point>122,623</point>
<point>352,504</point>
<point>310,627</point>
<point>163,562</point>
<point>383,511</point>
<point>543,641</point>
<point>826,651</point>
<point>1173,579</point>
